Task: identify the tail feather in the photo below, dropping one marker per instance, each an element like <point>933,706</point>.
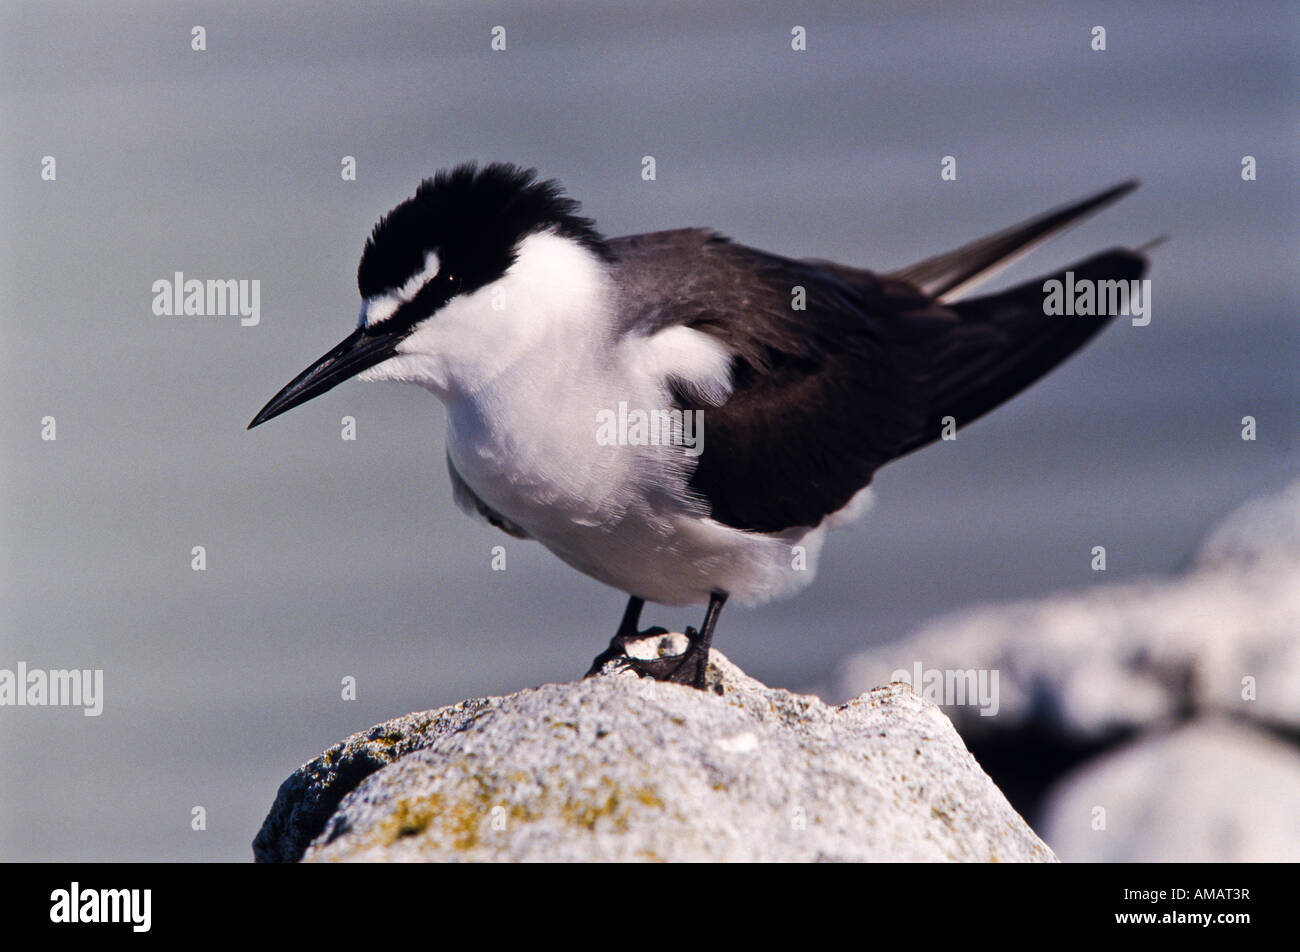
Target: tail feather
<point>948,276</point>
<point>1004,342</point>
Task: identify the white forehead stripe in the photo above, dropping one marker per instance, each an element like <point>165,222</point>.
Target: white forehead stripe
<point>380,308</point>
<point>383,306</point>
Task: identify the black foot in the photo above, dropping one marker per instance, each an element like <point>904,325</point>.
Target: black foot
<point>689,668</point>
<point>617,651</point>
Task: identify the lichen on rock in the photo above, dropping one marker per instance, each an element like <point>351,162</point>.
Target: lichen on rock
<point>620,768</point>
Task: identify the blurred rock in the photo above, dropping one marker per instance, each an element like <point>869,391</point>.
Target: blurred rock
<point>1210,791</point>
<point>1262,532</point>
<point>1091,666</point>
<point>617,767</point>
<point>1122,696</point>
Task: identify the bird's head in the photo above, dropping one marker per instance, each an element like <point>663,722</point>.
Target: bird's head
<point>458,280</point>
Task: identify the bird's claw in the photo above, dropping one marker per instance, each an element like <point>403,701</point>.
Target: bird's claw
<point>687,668</point>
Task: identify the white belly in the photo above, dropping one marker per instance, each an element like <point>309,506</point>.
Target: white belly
<point>619,514</point>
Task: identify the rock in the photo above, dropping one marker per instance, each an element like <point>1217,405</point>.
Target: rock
<point>618,767</point>
<point>1105,662</point>
<point>1262,532</point>
<point>1209,792</point>
<point>1094,689</point>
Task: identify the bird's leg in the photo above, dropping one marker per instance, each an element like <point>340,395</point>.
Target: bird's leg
<point>695,662</point>
<point>631,617</point>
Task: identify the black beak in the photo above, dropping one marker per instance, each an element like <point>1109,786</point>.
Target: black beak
<point>355,353</point>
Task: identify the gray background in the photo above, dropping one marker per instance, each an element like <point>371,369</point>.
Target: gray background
<point>328,558</point>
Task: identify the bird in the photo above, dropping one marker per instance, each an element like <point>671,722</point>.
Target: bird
<point>490,289</point>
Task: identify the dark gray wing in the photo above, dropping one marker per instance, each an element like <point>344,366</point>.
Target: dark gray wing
<point>823,397</point>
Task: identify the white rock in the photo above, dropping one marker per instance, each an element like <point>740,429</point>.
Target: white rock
<point>1210,791</point>
<point>620,768</point>
<point>1263,530</point>
<point>1122,657</point>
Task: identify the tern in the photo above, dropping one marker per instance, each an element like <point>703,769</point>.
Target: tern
<point>489,289</point>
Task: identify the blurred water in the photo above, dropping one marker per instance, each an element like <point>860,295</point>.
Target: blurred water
<point>328,558</point>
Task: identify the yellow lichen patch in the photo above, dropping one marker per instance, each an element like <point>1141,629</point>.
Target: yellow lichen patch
<point>649,798</point>
<point>462,822</point>
<point>587,814</point>
<point>438,817</point>
<point>612,804</point>
<point>410,817</point>
<point>942,814</point>
<point>460,817</point>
